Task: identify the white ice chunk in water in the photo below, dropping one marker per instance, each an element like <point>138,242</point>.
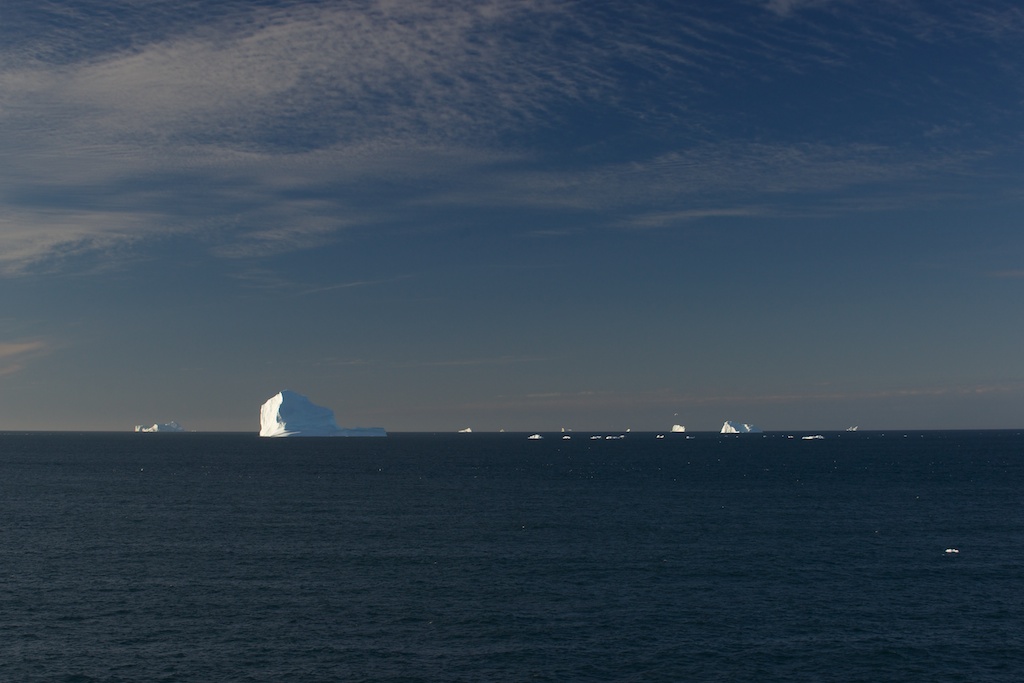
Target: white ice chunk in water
<point>290,414</point>
<point>731,427</point>
<point>171,426</point>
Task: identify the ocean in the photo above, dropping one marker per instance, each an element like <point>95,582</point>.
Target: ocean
<point>492,557</point>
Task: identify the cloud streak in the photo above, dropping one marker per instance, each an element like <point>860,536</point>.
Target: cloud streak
<point>575,401</point>
<point>14,354</point>
<point>11,349</point>
<point>280,127</point>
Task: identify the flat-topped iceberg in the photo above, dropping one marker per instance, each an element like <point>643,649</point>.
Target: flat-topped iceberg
<point>171,426</point>
<point>731,427</point>
<point>290,414</point>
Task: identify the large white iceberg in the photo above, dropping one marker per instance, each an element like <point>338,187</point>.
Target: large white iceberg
<point>731,427</point>
<point>290,414</point>
<point>171,426</point>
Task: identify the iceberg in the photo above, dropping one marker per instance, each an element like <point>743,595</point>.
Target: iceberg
<point>731,427</point>
<point>171,426</point>
<point>676,429</point>
<point>290,414</point>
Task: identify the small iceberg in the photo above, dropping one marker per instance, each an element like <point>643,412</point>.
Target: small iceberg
<point>171,426</point>
<point>678,429</point>
<point>731,427</point>
<point>535,437</point>
<point>467,430</point>
<point>952,551</point>
<point>812,438</point>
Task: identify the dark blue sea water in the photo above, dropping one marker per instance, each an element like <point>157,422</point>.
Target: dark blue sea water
<point>191,557</point>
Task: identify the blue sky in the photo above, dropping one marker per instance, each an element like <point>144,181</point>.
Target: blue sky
<point>803,214</point>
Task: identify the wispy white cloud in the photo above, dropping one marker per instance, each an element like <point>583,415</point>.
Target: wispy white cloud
<point>723,179</point>
<point>852,395</point>
<point>259,204</point>
<point>313,73</point>
<point>47,237</point>
<point>14,354</point>
<point>668,400</point>
<point>498,360</point>
<point>441,363</point>
<point>9,349</point>
<point>660,219</point>
<point>354,284</point>
<point>785,7</point>
<point>278,128</point>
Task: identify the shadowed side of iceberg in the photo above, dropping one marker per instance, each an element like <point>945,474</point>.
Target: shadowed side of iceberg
<point>291,414</point>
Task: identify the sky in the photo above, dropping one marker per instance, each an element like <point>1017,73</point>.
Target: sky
<point>432,215</point>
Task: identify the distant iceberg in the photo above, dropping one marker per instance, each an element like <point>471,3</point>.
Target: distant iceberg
<point>731,427</point>
<point>171,426</point>
<point>467,430</point>
<point>290,414</point>
<point>676,429</point>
